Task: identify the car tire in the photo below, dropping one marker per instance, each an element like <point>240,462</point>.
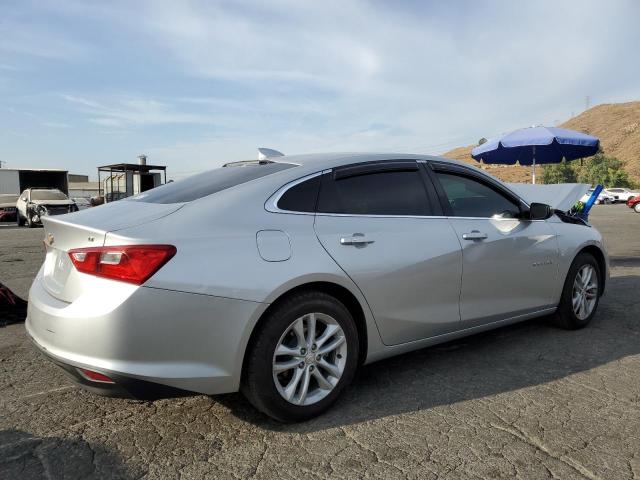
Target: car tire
<point>636,207</point>
<point>566,315</point>
<point>265,389</point>
<point>19,220</point>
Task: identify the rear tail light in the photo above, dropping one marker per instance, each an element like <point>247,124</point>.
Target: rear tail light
<point>94,376</point>
<point>129,263</point>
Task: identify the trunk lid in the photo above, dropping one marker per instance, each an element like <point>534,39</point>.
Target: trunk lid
<point>88,228</point>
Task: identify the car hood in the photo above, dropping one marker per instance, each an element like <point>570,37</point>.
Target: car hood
<point>51,202</point>
<point>561,196</point>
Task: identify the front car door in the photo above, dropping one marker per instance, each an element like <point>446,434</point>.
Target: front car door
<point>509,263</point>
<point>377,222</point>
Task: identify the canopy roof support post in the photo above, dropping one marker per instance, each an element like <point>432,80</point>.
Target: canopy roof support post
<point>533,167</point>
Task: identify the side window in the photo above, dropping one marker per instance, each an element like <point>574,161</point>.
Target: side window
<point>375,193</point>
<point>301,197</point>
<point>471,198</point>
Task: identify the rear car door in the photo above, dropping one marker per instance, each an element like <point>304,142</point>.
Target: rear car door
<point>509,264</point>
<point>380,223</point>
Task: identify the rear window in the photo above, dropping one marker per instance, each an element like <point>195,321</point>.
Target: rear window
<point>48,195</point>
<point>208,183</point>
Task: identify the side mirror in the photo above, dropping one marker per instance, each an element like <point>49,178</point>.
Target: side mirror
<point>539,211</point>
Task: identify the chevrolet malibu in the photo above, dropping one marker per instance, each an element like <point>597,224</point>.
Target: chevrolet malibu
<point>280,278</point>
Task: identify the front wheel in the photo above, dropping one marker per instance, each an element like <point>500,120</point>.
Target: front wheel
<point>581,293</point>
<point>302,358</point>
<point>636,207</point>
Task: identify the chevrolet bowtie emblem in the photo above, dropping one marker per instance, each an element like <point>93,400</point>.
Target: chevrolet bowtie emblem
<point>50,239</point>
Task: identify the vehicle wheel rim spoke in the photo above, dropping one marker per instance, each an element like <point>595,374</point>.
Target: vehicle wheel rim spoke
<point>311,329</point>
<point>331,346</point>
<point>332,369</point>
<point>329,332</point>
<point>291,388</point>
<point>306,378</point>
<point>323,383</point>
<point>309,359</point>
<point>286,365</point>
<point>298,329</point>
<point>585,292</point>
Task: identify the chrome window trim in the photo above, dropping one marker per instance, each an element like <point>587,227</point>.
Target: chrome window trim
<point>271,205</point>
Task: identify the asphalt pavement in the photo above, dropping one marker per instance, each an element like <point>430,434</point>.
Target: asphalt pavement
<point>527,401</point>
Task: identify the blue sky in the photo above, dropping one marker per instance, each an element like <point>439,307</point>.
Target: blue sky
<point>195,84</point>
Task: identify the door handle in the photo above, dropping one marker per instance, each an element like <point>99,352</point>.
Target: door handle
<point>355,239</point>
<point>474,235</point>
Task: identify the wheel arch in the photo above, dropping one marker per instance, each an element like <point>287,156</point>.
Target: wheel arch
<point>598,254</point>
<point>337,291</point>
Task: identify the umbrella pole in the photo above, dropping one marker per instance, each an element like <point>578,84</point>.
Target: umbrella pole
<point>533,170</point>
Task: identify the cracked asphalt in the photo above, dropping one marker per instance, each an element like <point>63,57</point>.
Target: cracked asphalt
<point>526,401</point>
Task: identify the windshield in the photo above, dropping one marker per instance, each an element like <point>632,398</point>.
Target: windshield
<point>47,195</point>
<point>4,198</point>
<point>208,183</point>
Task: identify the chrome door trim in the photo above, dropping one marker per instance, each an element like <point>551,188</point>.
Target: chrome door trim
<point>271,205</point>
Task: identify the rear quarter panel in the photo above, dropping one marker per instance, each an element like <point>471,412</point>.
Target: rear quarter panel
<point>217,253</point>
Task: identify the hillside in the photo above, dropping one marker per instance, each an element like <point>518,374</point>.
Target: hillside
<point>616,124</point>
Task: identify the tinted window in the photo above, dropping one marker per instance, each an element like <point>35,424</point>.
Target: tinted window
<point>382,193</point>
<point>47,195</point>
<point>470,198</point>
<point>301,197</point>
<point>207,183</point>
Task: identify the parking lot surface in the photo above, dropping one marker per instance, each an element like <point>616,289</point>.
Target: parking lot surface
<point>526,401</point>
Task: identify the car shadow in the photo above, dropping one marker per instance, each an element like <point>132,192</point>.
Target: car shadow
<point>510,358</point>
<point>24,456</point>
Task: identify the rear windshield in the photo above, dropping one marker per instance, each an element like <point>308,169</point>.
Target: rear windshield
<point>8,198</point>
<point>207,183</point>
<point>48,195</point>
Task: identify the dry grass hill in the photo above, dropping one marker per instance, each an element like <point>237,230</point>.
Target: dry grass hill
<point>616,124</point>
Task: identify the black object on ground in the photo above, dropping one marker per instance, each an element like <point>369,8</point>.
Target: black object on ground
<point>13,309</point>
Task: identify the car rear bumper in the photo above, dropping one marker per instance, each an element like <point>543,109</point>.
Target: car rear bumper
<point>157,337</point>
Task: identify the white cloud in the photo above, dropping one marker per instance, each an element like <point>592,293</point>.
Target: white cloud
<point>126,111</point>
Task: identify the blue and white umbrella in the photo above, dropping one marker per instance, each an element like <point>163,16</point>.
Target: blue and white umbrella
<point>536,145</point>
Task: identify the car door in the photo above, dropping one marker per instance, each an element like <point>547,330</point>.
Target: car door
<point>509,264</point>
<point>378,221</point>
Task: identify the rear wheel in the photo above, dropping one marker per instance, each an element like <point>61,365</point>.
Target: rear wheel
<point>581,293</point>
<point>636,207</point>
<point>302,358</point>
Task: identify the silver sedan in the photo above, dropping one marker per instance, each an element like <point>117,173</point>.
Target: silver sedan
<point>280,279</point>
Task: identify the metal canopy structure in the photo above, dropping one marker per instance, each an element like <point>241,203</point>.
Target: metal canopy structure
<point>124,168</point>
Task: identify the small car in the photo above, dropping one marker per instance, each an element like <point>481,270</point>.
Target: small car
<point>621,194</point>
<point>280,278</point>
<point>634,202</point>
<point>8,207</point>
<point>36,203</point>
<point>603,198</point>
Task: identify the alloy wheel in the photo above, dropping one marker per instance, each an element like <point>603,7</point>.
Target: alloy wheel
<point>585,291</point>
<point>309,359</point>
